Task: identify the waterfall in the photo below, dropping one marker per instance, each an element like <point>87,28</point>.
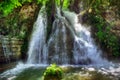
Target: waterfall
<point>69,43</point>
<point>85,50</point>
<point>37,48</point>
<point>57,44</point>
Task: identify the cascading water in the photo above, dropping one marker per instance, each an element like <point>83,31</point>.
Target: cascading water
<point>85,50</point>
<point>6,49</point>
<point>57,50</point>
<point>57,44</point>
<point>58,40</point>
<point>37,52</point>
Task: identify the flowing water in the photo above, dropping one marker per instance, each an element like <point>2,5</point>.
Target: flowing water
<point>56,49</point>
<point>84,51</point>
<point>70,44</point>
<point>37,47</point>
<point>6,48</point>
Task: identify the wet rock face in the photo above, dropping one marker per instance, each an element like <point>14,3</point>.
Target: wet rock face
<point>85,61</point>
<point>27,11</point>
<point>60,45</point>
<point>75,6</point>
<point>10,49</point>
<point>116,29</point>
<point>70,42</point>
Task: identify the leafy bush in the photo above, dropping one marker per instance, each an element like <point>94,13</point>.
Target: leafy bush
<point>53,72</point>
<point>104,35</point>
<point>7,6</point>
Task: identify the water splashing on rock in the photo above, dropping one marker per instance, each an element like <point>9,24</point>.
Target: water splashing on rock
<point>69,43</point>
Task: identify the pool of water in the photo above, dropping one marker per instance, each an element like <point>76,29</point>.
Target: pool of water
<point>4,67</point>
<point>71,72</point>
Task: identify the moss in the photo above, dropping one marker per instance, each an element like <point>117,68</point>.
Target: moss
<point>53,72</point>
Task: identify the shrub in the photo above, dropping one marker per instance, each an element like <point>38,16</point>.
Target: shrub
<point>53,72</point>
<point>104,35</point>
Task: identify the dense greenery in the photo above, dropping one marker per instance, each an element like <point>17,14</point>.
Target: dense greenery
<point>104,35</point>
<point>53,72</point>
<point>7,6</point>
<point>96,10</point>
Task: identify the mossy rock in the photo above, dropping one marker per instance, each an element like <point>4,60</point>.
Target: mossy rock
<point>53,72</point>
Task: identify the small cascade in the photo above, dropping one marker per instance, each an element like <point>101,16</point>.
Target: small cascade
<point>57,44</point>
<point>37,52</point>
<point>6,49</point>
<point>85,50</point>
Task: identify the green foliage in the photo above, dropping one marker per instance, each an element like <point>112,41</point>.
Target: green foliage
<point>57,2</point>
<point>103,29</point>
<point>112,43</point>
<point>7,6</point>
<point>63,3</point>
<point>100,26</point>
<point>43,2</point>
<point>96,6</point>
<point>53,72</point>
<point>104,35</point>
<point>66,4</point>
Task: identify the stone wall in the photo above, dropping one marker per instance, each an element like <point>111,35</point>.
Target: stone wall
<point>10,49</point>
<point>19,23</point>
